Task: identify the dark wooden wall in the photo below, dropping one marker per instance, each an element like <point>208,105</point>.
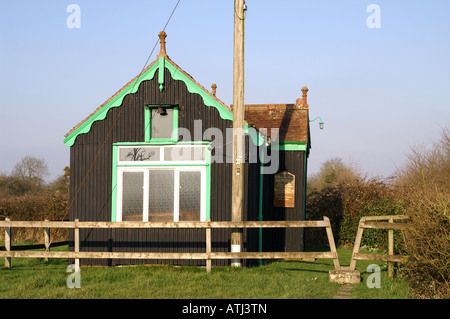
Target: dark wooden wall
<point>93,199</point>
<point>289,239</point>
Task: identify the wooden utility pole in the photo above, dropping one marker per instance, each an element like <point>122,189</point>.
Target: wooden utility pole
<point>238,127</point>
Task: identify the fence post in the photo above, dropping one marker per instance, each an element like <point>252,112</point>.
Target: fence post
<point>8,244</point>
<point>46,239</point>
<point>77,241</point>
<point>208,247</point>
<point>357,244</point>
<point>391,250</point>
<point>337,265</point>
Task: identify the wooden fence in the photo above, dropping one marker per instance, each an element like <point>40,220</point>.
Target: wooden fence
<point>373,223</point>
<point>208,255</point>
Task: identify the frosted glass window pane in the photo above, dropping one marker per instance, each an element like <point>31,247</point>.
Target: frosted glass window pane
<point>190,196</point>
<point>132,196</point>
<point>139,154</point>
<point>162,125</point>
<point>161,195</point>
<point>184,153</point>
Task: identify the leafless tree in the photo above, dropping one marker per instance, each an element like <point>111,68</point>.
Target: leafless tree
<point>32,169</point>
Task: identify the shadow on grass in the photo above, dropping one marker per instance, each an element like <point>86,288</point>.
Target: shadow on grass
<point>306,270</point>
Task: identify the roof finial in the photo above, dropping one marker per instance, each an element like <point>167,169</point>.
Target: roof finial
<point>162,38</point>
<point>214,87</point>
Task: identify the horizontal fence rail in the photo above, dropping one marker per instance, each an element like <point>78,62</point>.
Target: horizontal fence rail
<point>208,255</point>
<point>375,222</point>
<point>128,224</point>
<point>35,246</point>
<point>145,255</point>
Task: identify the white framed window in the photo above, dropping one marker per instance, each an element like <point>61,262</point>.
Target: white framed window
<point>161,194</point>
<point>164,154</point>
<point>161,183</point>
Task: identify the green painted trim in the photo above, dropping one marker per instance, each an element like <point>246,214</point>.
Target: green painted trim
<point>255,135</point>
<point>162,61</point>
<point>192,87</point>
<point>115,102</point>
<point>305,181</point>
<point>260,203</point>
<point>305,167</point>
<point>288,146</point>
<point>292,143</point>
<point>148,123</point>
<point>115,165</point>
<point>114,185</point>
<point>208,184</point>
<point>163,140</point>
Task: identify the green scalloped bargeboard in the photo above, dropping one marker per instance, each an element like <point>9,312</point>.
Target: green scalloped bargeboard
<point>115,102</point>
<point>192,87</point>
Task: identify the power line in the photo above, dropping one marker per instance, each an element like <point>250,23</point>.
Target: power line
<point>113,125</point>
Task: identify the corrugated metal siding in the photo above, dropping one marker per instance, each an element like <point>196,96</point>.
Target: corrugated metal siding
<point>281,239</point>
<point>93,202</point>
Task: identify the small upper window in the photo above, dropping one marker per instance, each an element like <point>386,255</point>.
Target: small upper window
<point>161,123</point>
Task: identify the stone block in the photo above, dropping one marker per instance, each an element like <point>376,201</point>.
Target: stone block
<point>345,276</point>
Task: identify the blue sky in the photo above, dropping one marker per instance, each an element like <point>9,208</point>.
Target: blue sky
<point>380,91</point>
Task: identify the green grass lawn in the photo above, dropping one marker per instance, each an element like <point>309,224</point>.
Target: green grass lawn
<point>276,280</point>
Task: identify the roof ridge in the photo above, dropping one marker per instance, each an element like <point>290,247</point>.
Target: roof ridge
<point>136,78</point>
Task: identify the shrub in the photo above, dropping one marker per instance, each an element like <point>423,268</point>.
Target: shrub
<point>327,202</point>
<point>427,244</point>
<point>373,238</point>
<point>424,182</point>
<point>345,204</point>
<point>47,205</point>
<point>421,190</point>
<point>325,198</point>
<point>13,185</point>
